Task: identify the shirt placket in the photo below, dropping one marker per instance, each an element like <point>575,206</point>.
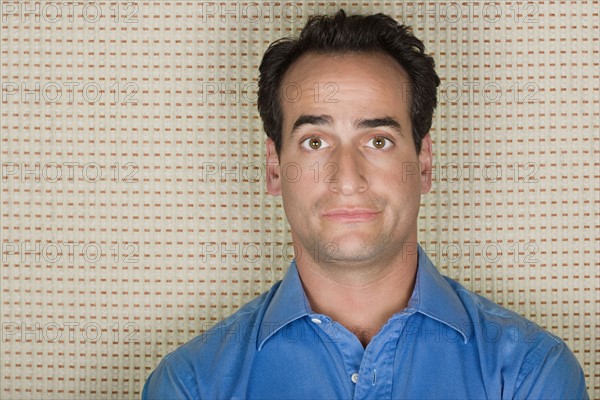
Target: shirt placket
<point>376,375</point>
<point>344,343</point>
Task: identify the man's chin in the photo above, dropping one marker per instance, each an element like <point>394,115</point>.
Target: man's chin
<point>349,248</point>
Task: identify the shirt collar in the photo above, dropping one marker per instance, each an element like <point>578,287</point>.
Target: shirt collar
<point>287,304</point>
<point>432,296</point>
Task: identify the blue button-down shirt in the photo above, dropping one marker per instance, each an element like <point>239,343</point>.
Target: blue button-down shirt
<point>448,343</point>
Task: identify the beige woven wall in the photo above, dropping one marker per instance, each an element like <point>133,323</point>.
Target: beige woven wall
<point>134,211</point>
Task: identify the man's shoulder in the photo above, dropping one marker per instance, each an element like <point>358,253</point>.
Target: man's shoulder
<point>496,323</point>
<point>218,349</point>
<point>505,338</point>
<point>534,361</point>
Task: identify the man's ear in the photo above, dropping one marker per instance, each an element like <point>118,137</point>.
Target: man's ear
<point>426,163</point>
<point>273,169</point>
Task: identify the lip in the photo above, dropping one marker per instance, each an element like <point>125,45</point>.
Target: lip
<point>351,214</point>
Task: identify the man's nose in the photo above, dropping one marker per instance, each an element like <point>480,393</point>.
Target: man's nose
<point>349,174</point>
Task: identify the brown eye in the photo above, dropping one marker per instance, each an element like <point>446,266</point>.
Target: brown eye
<point>314,143</point>
<point>379,142</point>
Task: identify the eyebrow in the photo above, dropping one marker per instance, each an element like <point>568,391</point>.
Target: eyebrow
<point>362,123</point>
<point>311,120</point>
<point>379,123</point>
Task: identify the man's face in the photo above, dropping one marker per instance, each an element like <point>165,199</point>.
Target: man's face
<point>348,170</point>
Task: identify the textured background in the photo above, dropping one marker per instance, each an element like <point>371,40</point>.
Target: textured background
<point>134,211</point>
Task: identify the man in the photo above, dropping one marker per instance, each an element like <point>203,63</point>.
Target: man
<point>362,312</point>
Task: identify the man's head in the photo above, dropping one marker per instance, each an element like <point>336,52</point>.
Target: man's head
<point>342,150</point>
<point>341,34</point>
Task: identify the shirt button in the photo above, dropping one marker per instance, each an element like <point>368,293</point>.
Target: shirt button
<point>316,320</point>
<point>354,378</point>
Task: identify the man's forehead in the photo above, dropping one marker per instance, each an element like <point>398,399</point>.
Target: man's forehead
<point>344,64</point>
<point>327,83</point>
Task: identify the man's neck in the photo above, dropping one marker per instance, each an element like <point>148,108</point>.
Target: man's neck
<point>362,302</point>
